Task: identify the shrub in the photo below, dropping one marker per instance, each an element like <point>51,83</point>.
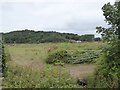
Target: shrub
<point>107,72</point>
<point>5,59</point>
<point>58,57</point>
<point>94,82</point>
<point>73,57</point>
<point>109,63</point>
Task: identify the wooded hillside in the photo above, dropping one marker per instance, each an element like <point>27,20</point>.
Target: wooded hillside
<point>30,36</point>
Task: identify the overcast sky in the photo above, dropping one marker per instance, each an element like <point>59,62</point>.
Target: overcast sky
<point>71,16</point>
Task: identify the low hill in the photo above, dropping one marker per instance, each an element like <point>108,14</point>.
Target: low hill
<point>30,36</point>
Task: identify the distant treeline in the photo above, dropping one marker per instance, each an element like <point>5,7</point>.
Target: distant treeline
<point>30,36</point>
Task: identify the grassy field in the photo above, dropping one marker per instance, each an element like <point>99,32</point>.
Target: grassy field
<point>33,56</point>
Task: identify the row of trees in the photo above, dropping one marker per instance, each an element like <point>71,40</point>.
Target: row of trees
<point>30,36</point>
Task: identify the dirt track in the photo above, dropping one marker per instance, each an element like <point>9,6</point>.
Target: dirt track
<point>80,70</point>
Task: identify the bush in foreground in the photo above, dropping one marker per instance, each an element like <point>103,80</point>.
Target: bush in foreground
<point>18,77</point>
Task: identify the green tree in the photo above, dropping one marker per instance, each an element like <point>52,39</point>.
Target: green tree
<point>109,64</point>
<point>87,37</point>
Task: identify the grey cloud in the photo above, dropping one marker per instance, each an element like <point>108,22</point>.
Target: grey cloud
<point>76,16</point>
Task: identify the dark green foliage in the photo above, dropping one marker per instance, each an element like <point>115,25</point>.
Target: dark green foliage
<point>60,56</point>
<point>95,82</point>
<point>87,37</point>
<point>3,61</point>
<point>108,70</point>
<point>30,36</point>
<point>97,39</point>
<point>73,57</point>
<point>27,36</point>
<point>3,58</point>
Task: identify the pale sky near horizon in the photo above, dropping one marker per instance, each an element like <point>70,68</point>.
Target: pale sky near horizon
<point>71,16</point>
